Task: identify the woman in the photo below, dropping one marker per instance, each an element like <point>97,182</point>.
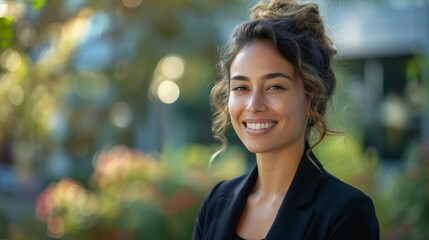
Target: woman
<point>276,81</point>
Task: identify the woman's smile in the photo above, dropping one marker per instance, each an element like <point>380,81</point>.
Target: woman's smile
<point>258,125</point>
<point>258,128</point>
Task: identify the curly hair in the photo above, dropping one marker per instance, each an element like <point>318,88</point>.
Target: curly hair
<point>297,32</point>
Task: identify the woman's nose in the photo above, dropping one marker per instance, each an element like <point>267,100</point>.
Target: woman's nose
<point>256,103</point>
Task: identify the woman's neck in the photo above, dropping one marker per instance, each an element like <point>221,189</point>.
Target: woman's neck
<point>276,171</point>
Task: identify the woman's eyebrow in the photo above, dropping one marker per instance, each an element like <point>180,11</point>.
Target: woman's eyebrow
<point>267,76</point>
<point>276,75</point>
<point>240,78</point>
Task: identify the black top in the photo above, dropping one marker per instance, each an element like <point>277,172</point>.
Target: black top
<point>237,237</point>
<point>317,206</point>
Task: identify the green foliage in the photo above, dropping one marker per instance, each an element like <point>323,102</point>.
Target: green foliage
<point>404,204</point>
<point>6,25</point>
<point>346,158</point>
<point>38,4</point>
<point>6,32</point>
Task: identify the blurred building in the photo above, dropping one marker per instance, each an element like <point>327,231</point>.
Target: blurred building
<point>383,48</point>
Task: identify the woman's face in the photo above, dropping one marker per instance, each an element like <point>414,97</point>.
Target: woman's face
<point>267,104</point>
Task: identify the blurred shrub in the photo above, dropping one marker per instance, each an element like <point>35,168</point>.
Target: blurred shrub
<point>404,204</point>
<point>132,195</point>
<point>347,158</point>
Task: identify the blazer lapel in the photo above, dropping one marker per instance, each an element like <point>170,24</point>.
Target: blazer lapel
<point>293,218</point>
<point>228,210</point>
<point>291,224</point>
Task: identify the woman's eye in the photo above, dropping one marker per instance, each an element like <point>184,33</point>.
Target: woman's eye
<point>276,87</point>
<point>238,88</point>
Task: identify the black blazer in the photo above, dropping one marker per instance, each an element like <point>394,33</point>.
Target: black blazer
<point>316,206</point>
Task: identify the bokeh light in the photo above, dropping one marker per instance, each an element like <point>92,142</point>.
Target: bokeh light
<point>13,9</point>
<point>3,9</point>
<point>131,3</point>
<point>121,115</point>
<point>168,91</point>
<point>10,60</point>
<point>172,66</point>
<point>27,36</point>
<point>168,71</point>
<point>42,110</point>
<point>91,85</point>
<point>16,95</point>
<point>6,82</point>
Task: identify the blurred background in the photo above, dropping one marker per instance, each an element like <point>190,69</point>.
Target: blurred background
<point>105,116</point>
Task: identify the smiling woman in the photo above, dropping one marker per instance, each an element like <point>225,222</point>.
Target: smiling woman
<point>276,81</point>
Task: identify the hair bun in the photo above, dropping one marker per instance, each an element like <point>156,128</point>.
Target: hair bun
<point>274,9</point>
<point>306,16</point>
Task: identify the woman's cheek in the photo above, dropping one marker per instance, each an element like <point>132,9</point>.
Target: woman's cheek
<point>234,106</point>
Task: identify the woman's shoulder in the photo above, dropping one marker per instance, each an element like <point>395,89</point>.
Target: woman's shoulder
<point>340,188</point>
<point>341,195</point>
<point>350,211</point>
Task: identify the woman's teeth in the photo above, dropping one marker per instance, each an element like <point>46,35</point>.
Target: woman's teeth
<point>259,126</point>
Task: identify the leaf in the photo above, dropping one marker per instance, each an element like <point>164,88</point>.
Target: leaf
<point>38,4</point>
<point>6,31</point>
